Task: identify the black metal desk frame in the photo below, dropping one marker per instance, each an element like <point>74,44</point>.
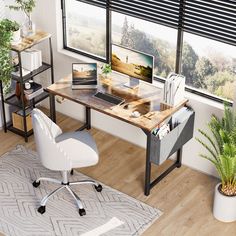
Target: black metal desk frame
<point>148,185</point>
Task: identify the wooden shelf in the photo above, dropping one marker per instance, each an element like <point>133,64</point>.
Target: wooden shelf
<point>30,41</point>
<point>41,69</point>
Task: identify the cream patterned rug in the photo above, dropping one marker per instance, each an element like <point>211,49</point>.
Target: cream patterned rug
<point>108,213</point>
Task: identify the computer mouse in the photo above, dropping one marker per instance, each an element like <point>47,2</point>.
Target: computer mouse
<point>135,114</point>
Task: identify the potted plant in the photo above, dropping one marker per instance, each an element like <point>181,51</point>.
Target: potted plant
<point>221,146</point>
<point>16,38</point>
<point>7,28</point>
<point>106,70</point>
<point>27,7</point>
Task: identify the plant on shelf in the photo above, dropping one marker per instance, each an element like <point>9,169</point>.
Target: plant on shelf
<point>7,27</point>
<point>221,146</point>
<point>106,69</point>
<point>27,6</point>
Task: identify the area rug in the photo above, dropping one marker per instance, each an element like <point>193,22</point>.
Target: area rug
<point>108,213</point>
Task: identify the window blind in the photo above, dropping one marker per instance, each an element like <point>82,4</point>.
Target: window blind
<point>99,3</point>
<point>215,19</point>
<point>165,12</point>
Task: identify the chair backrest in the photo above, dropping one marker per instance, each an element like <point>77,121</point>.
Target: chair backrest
<point>45,132</point>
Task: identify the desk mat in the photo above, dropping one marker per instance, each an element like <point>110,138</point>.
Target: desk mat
<point>108,213</point>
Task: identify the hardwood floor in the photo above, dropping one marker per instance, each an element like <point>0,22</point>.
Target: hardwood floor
<point>185,195</point>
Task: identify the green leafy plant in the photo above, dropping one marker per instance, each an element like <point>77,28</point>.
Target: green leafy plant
<point>15,26</point>
<point>7,27</point>
<point>221,147</point>
<point>106,69</point>
<point>26,6</point>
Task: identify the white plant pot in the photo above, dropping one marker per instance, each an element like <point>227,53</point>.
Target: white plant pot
<point>224,207</point>
<point>16,38</point>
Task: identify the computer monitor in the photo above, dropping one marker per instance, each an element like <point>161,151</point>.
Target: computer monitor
<point>84,75</point>
<point>135,64</point>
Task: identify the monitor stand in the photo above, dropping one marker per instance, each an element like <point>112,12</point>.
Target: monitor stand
<point>133,83</point>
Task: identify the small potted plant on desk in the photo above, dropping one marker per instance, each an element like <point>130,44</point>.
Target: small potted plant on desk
<point>222,153</point>
<point>7,27</point>
<point>106,70</point>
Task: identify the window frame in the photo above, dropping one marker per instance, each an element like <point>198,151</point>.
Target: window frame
<point>179,46</point>
<point>81,52</point>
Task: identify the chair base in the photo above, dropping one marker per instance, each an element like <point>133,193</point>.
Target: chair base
<point>65,184</point>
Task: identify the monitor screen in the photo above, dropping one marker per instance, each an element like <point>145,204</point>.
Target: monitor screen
<point>84,73</point>
<point>132,63</point>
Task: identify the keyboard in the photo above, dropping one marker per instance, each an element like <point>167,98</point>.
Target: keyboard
<point>109,98</point>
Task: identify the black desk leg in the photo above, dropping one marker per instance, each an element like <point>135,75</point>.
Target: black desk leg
<point>148,166</point>
<point>88,118</point>
<point>87,124</point>
<point>52,107</point>
<point>148,184</point>
<point>179,158</point>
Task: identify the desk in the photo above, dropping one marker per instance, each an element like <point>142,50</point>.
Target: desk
<point>146,99</point>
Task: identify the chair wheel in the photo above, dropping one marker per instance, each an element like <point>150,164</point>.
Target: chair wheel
<point>72,172</point>
<point>36,184</point>
<point>82,212</point>
<point>41,209</point>
<point>98,188</point>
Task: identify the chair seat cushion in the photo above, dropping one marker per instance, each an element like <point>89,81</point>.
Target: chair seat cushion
<point>80,148</point>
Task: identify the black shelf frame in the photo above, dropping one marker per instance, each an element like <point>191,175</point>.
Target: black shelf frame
<point>45,66</point>
<point>11,128</point>
<point>13,100</point>
<point>20,102</point>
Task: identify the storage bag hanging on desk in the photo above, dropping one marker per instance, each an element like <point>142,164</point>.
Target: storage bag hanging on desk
<point>182,124</point>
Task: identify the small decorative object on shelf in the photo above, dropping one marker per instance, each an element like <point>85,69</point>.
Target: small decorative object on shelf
<point>16,38</point>
<point>27,92</point>
<point>106,70</point>
<point>27,6</point>
<point>18,90</point>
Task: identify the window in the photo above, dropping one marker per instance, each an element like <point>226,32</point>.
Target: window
<point>192,37</point>
<point>147,37</point>
<point>85,28</point>
<point>209,65</point>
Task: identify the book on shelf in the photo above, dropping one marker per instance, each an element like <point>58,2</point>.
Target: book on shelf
<point>174,89</point>
<point>35,90</point>
<point>31,59</point>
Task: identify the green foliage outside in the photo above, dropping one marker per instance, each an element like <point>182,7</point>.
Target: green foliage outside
<point>221,148</point>
<point>163,52</point>
<point>214,74</point>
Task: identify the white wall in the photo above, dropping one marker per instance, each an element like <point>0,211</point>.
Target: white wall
<point>48,17</point>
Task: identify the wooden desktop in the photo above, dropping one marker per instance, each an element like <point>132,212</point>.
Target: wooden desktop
<point>146,99</point>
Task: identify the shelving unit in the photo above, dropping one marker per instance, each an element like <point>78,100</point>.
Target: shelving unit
<point>13,100</point>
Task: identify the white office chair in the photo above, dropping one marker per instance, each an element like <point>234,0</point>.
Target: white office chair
<point>63,152</point>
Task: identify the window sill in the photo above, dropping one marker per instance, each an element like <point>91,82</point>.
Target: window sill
<point>77,56</point>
